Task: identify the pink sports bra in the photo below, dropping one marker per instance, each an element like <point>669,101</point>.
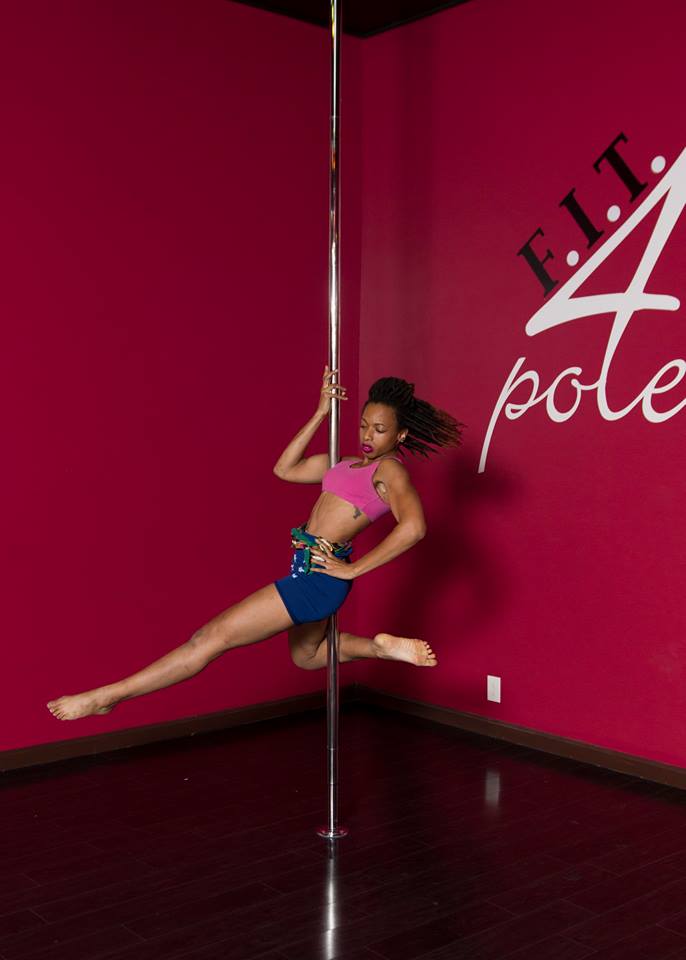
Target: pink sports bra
<point>356,486</point>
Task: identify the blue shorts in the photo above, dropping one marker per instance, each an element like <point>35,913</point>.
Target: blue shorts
<point>311,596</point>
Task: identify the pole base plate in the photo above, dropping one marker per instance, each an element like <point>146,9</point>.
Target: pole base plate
<point>329,835</point>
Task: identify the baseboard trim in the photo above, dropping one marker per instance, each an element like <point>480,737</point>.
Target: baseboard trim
<point>151,733</point>
<point>654,770</point>
<point>634,766</point>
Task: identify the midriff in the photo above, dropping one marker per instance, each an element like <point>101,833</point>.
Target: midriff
<point>335,519</point>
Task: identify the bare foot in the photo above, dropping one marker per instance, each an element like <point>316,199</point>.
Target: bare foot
<point>80,705</point>
<point>417,652</point>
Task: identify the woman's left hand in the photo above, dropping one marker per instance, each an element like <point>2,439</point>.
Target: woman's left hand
<point>322,560</point>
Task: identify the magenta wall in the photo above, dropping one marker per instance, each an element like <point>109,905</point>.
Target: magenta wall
<point>164,218</point>
<point>163,297</point>
<point>560,565</point>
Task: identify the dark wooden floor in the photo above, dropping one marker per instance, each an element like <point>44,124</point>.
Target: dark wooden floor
<point>460,847</point>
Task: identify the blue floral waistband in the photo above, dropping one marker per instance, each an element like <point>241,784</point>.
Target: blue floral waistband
<point>300,538</point>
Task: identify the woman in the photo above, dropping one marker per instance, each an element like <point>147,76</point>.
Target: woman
<point>354,494</point>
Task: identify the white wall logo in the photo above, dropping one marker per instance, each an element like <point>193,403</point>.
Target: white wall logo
<point>564,307</point>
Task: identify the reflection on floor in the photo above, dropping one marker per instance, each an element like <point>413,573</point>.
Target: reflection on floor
<point>459,847</point>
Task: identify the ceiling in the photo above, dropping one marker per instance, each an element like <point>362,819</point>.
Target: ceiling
<point>362,18</point>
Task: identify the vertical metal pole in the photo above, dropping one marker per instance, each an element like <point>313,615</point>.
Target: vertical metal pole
<point>334,830</point>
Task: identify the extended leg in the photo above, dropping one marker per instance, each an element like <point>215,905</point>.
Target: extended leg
<point>257,617</point>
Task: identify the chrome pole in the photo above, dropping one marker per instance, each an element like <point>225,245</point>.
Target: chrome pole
<point>334,830</point>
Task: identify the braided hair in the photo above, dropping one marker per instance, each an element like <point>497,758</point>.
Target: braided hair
<point>426,424</point>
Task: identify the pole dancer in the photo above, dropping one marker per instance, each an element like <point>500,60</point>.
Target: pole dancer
<point>354,494</point>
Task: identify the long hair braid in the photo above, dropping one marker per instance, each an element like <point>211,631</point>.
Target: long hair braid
<point>428,426</point>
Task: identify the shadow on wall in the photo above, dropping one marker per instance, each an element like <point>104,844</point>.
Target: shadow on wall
<point>453,585</point>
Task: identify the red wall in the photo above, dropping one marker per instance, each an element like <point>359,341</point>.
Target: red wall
<point>164,214</point>
<point>559,566</point>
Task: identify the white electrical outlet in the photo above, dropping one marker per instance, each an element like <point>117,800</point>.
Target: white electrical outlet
<point>493,689</point>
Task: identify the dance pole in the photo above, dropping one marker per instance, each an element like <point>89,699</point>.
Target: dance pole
<point>334,830</point>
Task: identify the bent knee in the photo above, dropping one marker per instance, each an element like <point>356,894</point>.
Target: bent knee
<point>306,661</point>
<point>311,665</point>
